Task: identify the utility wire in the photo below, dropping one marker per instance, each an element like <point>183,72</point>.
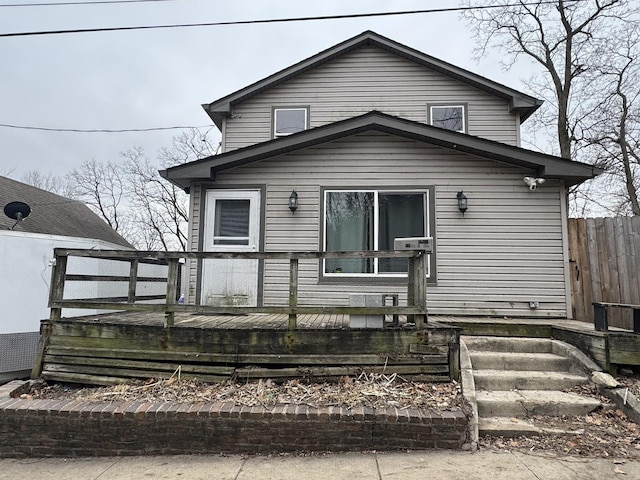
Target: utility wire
<point>100,130</point>
<point>96,2</point>
<point>272,20</point>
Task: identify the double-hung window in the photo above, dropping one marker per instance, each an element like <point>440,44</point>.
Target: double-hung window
<point>357,220</point>
<point>289,120</point>
<point>449,117</point>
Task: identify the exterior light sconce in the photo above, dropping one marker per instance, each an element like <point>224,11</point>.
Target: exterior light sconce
<point>462,202</point>
<point>293,201</point>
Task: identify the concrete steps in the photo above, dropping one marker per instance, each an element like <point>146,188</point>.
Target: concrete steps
<point>518,361</point>
<point>516,379</point>
<point>529,403</point>
<point>490,379</point>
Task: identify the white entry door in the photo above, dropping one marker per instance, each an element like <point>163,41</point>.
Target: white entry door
<point>232,224</point>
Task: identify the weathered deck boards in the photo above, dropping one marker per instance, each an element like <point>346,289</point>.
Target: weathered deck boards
<point>115,347</point>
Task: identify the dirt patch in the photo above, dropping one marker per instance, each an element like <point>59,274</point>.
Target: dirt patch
<point>369,390</point>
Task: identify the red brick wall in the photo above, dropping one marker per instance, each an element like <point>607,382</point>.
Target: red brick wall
<point>72,428</point>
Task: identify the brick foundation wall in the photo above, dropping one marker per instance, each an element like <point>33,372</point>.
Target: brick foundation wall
<point>71,428</point>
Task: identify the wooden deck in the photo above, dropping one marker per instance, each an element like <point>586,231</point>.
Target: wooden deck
<point>116,347</point>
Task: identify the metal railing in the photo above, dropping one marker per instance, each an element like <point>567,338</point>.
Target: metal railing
<point>415,309</point>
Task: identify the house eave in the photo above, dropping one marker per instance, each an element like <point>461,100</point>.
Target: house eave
<point>518,101</point>
<point>543,165</point>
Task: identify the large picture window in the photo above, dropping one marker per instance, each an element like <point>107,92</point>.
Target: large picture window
<point>371,220</point>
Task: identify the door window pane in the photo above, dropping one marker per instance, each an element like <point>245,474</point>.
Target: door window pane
<point>231,226</point>
<point>349,226</point>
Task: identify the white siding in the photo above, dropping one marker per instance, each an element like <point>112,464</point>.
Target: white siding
<point>364,80</point>
<point>505,252</point>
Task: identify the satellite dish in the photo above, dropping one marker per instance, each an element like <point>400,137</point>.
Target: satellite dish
<point>17,211</point>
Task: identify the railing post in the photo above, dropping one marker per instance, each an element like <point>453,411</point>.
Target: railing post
<point>420,289</point>
<point>172,290</point>
<point>56,290</point>
<point>133,279</point>
<point>411,287</point>
<point>293,291</point>
<point>600,318</point>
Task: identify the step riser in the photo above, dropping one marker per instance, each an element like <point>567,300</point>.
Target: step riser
<point>523,383</point>
<point>511,345</point>
<point>497,362</point>
<point>526,410</point>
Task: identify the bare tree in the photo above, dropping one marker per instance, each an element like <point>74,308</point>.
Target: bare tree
<point>558,37</point>
<point>151,213</point>
<point>49,182</point>
<point>103,187</point>
<point>615,129</point>
<point>568,42</point>
<point>159,208</point>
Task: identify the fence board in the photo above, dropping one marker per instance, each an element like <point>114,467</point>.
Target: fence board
<point>605,261</point>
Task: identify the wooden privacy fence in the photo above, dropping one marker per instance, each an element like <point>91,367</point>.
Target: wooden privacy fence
<point>168,303</point>
<point>604,256</point>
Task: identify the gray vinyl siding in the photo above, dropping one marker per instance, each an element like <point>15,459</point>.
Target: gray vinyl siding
<point>506,251</point>
<point>364,80</point>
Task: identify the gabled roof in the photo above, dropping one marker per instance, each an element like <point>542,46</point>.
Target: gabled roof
<point>547,166</point>
<point>54,215</point>
<point>518,101</point>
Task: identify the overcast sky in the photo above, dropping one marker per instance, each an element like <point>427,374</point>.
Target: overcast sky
<point>159,78</point>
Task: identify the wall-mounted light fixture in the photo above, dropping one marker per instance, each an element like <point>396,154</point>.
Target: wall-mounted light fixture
<point>462,202</point>
<point>293,201</point>
<point>533,182</point>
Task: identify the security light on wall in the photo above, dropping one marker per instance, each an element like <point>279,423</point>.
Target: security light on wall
<point>532,182</point>
<point>462,202</point>
<point>293,201</point>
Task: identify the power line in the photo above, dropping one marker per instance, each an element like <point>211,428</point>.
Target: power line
<point>96,2</point>
<point>100,130</point>
<point>272,20</point>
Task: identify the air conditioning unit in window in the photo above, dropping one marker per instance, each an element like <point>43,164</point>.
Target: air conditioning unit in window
<point>414,243</point>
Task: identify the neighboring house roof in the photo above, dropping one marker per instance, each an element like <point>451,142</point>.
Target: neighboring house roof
<point>547,166</point>
<point>519,101</point>
<point>54,215</point>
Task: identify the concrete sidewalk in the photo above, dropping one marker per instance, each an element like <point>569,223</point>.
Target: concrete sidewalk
<point>352,466</point>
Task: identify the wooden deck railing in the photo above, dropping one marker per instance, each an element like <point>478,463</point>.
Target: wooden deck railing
<point>415,309</point>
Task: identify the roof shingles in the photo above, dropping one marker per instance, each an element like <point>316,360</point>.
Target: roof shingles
<point>54,215</point>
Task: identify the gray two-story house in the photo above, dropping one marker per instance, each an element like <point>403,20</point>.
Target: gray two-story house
<point>368,141</point>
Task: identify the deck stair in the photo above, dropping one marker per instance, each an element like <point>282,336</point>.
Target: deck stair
<point>517,379</point>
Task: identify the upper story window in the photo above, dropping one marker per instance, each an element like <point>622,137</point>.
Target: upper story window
<point>287,121</point>
<point>449,117</point>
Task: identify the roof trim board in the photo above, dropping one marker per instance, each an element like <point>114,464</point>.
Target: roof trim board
<point>544,165</point>
<point>519,101</point>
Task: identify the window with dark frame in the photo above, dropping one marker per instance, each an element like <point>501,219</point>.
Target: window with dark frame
<point>371,220</point>
<point>449,117</point>
<point>287,121</point>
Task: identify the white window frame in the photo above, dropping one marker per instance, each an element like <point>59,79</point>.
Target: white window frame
<point>461,106</point>
<point>427,196</point>
<point>275,119</point>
